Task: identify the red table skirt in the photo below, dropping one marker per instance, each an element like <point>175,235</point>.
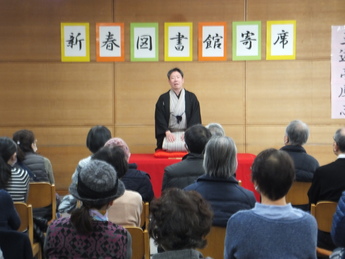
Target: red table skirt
<point>155,168</point>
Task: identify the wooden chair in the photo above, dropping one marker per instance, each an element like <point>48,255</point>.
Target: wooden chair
<point>298,193</point>
<point>145,215</point>
<point>215,243</point>
<point>27,224</point>
<point>42,194</point>
<point>140,242</point>
<point>323,212</point>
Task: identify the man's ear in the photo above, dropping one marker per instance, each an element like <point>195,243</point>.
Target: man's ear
<point>286,139</point>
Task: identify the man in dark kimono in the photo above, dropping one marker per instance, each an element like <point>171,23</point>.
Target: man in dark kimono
<point>176,110</point>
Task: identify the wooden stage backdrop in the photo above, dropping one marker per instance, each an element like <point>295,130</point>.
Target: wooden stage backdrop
<point>253,100</point>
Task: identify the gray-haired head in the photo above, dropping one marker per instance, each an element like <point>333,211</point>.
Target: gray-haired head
<point>297,132</point>
<point>216,129</point>
<point>339,138</point>
<point>220,157</point>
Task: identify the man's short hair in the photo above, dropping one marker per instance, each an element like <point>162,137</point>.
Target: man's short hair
<point>339,138</point>
<point>216,129</point>
<point>175,69</point>
<point>298,132</point>
<point>196,138</point>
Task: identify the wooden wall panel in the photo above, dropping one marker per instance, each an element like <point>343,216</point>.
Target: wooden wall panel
<point>218,86</point>
<point>57,94</point>
<point>32,28</point>
<point>280,91</point>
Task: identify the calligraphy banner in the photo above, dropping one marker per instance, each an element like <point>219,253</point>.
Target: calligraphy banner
<point>110,42</point>
<point>144,42</point>
<point>281,40</point>
<point>75,42</point>
<point>338,72</point>
<point>178,41</point>
<point>246,40</point>
<point>212,41</point>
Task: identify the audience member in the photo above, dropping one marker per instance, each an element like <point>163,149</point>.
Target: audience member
<point>329,183</point>
<point>13,179</point>
<point>296,135</point>
<point>134,179</point>
<point>218,185</point>
<point>9,218</point>
<point>184,173</point>
<point>38,165</point>
<point>216,129</point>
<point>277,229</point>
<point>15,244</point>
<point>180,221</point>
<point>95,140</point>
<point>88,233</point>
<point>338,228</point>
<point>127,209</point>
<point>176,110</point>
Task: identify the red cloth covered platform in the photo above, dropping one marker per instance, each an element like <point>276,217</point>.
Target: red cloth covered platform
<point>154,166</point>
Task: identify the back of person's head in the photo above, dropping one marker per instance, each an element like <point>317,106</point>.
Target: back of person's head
<point>7,150</point>
<point>96,185</point>
<point>216,129</point>
<point>339,138</point>
<point>175,69</point>
<point>97,137</point>
<point>119,142</point>
<point>273,173</point>
<point>24,139</point>
<point>180,220</point>
<point>196,138</point>
<point>115,156</point>
<point>220,157</point>
<point>297,132</point>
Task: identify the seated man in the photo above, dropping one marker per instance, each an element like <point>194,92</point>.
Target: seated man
<point>184,173</point>
<point>296,135</point>
<point>329,183</point>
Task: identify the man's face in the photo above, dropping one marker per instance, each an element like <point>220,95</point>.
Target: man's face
<point>176,81</point>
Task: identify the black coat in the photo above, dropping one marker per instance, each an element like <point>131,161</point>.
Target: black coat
<point>305,165</point>
<point>162,114</point>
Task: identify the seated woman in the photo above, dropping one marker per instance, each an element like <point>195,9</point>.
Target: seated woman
<point>9,219</point>
<point>180,220</point>
<point>13,179</point>
<point>38,165</point>
<point>134,179</point>
<point>218,185</point>
<point>88,233</point>
<point>277,230</point>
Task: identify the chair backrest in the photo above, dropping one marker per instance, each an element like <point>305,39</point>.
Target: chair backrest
<point>298,193</point>
<point>323,212</point>
<point>26,219</point>
<point>27,224</point>
<point>215,243</point>
<point>140,242</point>
<point>42,194</point>
<point>144,218</point>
